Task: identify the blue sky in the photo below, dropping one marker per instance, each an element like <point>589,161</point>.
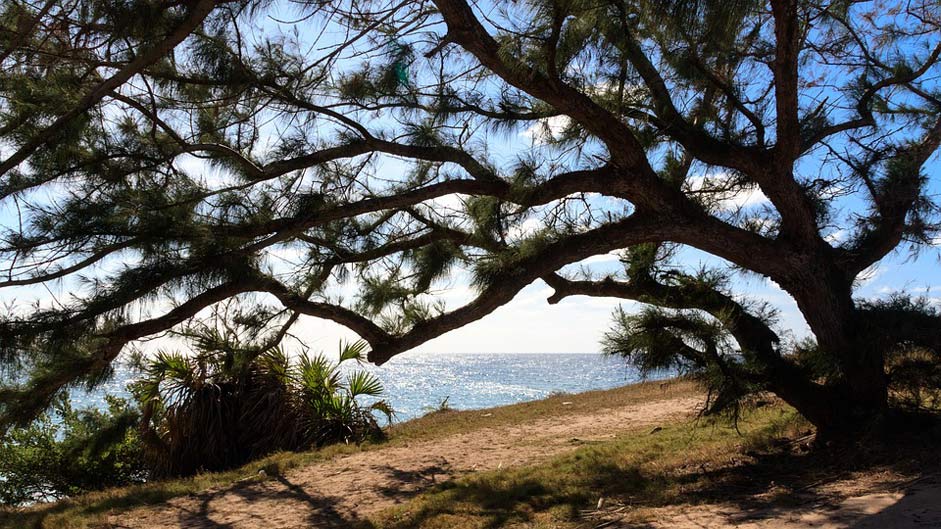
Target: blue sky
<point>530,324</point>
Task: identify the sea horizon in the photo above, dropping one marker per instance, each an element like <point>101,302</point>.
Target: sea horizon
<point>418,382</point>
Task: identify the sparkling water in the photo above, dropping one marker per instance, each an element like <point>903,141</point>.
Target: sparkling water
<point>417,383</point>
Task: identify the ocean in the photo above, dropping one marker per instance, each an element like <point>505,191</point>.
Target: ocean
<point>417,383</point>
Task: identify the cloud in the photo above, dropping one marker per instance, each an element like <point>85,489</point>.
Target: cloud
<point>528,324</point>
<point>547,129</point>
<point>202,171</point>
<point>605,258</point>
<point>869,274</point>
<point>922,290</point>
<point>292,254</point>
<point>524,229</point>
<point>713,186</point>
<point>453,202</point>
<point>837,236</point>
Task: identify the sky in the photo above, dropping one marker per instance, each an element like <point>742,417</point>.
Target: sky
<point>529,324</point>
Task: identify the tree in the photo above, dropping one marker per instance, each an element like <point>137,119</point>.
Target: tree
<point>177,154</point>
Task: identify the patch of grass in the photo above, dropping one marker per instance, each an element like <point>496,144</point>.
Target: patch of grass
<point>639,469</point>
<point>89,510</point>
<point>761,463</point>
<point>437,425</point>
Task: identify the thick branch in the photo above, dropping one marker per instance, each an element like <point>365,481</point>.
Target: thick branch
<point>640,183</point>
<point>754,336</point>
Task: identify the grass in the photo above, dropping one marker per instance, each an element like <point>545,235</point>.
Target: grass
<point>89,510</point>
<point>448,422</point>
<point>688,461</point>
<point>681,461</point>
<point>761,464</point>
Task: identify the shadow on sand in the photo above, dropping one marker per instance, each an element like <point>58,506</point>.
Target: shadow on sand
<point>765,490</point>
<point>772,490</point>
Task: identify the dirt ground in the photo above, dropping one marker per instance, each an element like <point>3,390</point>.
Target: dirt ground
<point>898,504</point>
<point>336,492</point>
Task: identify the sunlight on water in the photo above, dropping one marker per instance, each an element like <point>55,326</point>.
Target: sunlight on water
<point>417,383</point>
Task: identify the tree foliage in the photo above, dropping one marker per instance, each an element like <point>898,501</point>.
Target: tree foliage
<point>68,451</point>
<point>162,157</point>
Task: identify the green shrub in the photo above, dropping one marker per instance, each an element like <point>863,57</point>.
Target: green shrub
<point>68,451</point>
<point>222,407</point>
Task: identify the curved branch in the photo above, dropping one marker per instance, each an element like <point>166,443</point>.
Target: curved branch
<point>755,338</point>
<point>893,207</point>
<point>642,184</point>
<point>864,104</point>
<point>96,256</point>
<point>197,13</point>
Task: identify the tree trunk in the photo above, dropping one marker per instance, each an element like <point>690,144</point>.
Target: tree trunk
<point>856,399</point>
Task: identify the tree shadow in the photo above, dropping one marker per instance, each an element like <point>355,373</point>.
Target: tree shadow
<point>496,500</point>
<point>315,510</point>
<point>405,484</point>
<point>777,485</point>
<point>322,509</point>
<point>133,497</point>
<point>806,486</point>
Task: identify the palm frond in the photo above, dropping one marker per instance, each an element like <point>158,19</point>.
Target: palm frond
<point>363,383</point>
<point>353,351</point>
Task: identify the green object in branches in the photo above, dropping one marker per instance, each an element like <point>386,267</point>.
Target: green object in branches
<point>401,56</point>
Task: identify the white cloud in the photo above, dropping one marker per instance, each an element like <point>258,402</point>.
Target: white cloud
<point>453,202</point>
<point>292,254</point>
<point>922,290</point>
<point>550,128</point>
<point>869,274</point>
<point>202,171</point>
<point>837,236</point>
<point>524,229</point>
<point>726,200</point>
<point>605,258</point>
<point>547,129</point>
<point>528,324</point>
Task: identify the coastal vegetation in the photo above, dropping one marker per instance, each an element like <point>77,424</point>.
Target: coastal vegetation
<point>766,462</point>
<point>163,160</point>
<point>219,409</point>
<point>226,405</point>
<point>165,157</point>
<point>67,452</point>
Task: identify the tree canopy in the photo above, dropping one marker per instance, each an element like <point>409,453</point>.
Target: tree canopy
<point>159,158</point>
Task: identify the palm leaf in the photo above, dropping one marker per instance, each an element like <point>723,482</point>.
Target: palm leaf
<point>383,407</point>
<point>353,351</point>
<point>363,383</point>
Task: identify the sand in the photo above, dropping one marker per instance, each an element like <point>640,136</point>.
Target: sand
<point>899,505</point>
<point>336,492</point>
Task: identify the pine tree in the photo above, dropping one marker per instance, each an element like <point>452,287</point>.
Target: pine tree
<point>159,158</point>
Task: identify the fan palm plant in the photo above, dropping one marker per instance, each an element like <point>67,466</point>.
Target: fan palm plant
<point>221,408</point>
<point>329,408</point>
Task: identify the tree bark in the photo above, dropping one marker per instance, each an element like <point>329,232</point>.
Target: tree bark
<point>858,397</point>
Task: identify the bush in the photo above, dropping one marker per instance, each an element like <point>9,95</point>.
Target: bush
<point>68,451</point>
<point>221,408</point>
<point>217,408</point>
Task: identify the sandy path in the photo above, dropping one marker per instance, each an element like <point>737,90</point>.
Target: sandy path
<point>914,505</point>
<point>331,493</point>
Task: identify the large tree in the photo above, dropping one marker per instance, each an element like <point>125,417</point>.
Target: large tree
<point>160,157</point>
